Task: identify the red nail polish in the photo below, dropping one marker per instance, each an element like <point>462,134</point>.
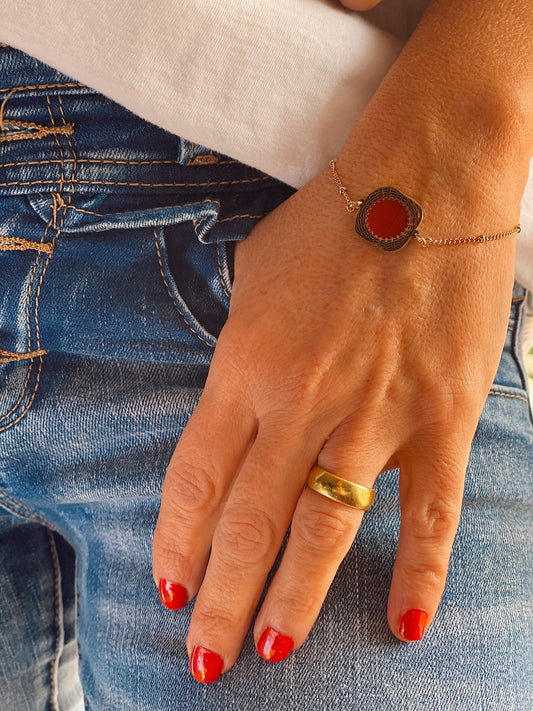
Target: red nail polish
<point>206,666</point>
<point>413,624</point>
<point>173,595</point>
<point>274,646</point>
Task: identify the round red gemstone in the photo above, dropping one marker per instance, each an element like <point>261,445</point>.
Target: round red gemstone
<point>387,218</point>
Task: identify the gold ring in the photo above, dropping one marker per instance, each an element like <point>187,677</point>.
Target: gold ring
<point>341,490</point>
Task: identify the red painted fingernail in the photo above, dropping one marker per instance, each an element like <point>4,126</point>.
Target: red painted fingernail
<point>206,666</point>
<point>413,624</point>
<point>173,595</point>
<point>274,646</point>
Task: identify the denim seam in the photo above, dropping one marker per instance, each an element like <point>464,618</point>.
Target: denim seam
<point>28,327</point>
<point>193,330</point>
<point>221,276</point>
<point>105,160</point>
<point>516,353</point>
<point>236,217</point>
<point>205,159</point>
<point>55,211</point>
<point>52,221</point>
<point>42,86</point>
<point>14,505</point>
<point>11,356</point>
<point>138,184</point>
<point>40,132</point>
<point>500,394</point>
<point>58,627</point>
<point>12,244</point>
<point>85,212</point>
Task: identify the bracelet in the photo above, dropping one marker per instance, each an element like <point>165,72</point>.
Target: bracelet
<point>389,219</point>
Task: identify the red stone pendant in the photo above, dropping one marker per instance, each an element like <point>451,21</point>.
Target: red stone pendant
<point>388,218</point>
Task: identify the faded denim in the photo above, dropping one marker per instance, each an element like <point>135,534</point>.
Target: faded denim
<point>115,277</point>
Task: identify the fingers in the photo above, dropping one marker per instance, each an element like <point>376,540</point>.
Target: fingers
<point>245,544</point>
<point>208,454</point>
<point>431,487</point>
<point>322,532</point>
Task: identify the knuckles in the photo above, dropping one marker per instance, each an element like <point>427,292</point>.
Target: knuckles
<point>323,533</point>
<point>246,537</point>
<point>190,491</point>
<point>432,524</point>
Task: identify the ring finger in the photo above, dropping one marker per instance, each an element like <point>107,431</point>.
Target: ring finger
<point>322,532</point>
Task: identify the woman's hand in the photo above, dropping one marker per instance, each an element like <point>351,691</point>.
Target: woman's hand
<point>337,353</point>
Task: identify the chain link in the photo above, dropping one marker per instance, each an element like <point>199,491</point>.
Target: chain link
<point>352,207</point>
<point>479,239</point>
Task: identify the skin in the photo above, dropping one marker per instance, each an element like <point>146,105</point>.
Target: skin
<point>337,353</point>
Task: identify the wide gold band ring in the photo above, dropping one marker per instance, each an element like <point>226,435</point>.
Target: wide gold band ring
<point>341,490</point>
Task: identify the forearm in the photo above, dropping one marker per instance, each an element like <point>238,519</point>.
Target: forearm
<point>483,52</point>
<point>458,105</point>
<point>484,44</point>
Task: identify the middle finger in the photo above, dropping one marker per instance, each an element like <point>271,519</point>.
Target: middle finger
<point>245,545</point>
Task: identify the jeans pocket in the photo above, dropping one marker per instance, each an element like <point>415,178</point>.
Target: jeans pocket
<point>156,241</point>
<point>198,278</point>
<point>26,247</point>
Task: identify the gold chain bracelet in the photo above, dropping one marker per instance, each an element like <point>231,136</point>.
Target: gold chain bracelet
<point>389,219</point>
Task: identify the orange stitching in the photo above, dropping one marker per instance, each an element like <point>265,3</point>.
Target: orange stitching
<point>139,185</point>
<point>220,271</point>
<point>41,86</point>
<point>2,109</point>
<point>518,299</point>
<point>8,244</point>
<point>518,397</point>
<point>106,160</point>
<point>37,381</point>
<point>11,356</point>
<point>30,367</point>
<point>38,134</point>
<point>204,159</point>
<point>61,204</point>
<point>30,403</point>
<point>172,296</point>
<point>26,124</point>
<point>87,212</point>
<point>235,217</point>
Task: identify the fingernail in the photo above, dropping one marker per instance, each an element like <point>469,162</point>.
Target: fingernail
<point>173,595</point>
<point>206,666</point>
<point>274,646</point>
<point>413,624</point>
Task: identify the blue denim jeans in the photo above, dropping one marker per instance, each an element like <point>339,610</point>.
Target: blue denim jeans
<point>116,264</point>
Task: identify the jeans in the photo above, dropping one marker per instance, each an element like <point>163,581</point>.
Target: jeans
<point>116,271</point>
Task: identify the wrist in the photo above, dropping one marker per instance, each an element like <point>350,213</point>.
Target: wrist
<point>440,142</point>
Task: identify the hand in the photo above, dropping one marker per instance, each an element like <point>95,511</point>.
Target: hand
<point>338,353</point>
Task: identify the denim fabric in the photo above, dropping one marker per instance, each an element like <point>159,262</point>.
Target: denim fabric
<point>115,276</point>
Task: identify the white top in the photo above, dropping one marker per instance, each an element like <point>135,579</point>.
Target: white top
<point>276,85</point>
